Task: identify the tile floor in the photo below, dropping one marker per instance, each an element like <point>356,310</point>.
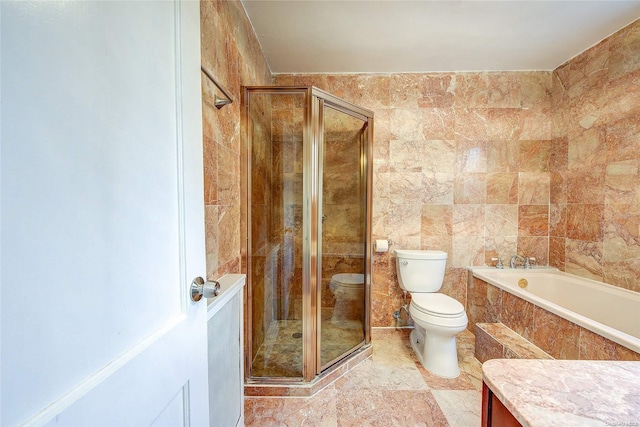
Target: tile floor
<point>390,389</point>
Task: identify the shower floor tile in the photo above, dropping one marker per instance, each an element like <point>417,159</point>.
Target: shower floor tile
<point>280,355</point>
<point>376,392</point>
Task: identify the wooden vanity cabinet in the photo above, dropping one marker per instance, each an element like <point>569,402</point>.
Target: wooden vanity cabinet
<point>494,413</point>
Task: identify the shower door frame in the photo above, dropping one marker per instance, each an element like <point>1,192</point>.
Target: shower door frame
<point>313,129</point>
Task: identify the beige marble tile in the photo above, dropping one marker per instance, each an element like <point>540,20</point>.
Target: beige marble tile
<point>534,156</point>
<point>501,220</point>
<point>470,188</point>
<point>502,188</point>
<point>517,314</point>
<point>462,408</point>
<point>467,250</point>
<point>500,246</point>
<point>437,220</point>
<point>558,220</point>
<point>502,156</point>
<point>293,411</point>
<point>388,408</point>
<point>383,373</point>
<point>468,220</point>
<point>555,335</point>
<point>585,222</point>
<point>533,188</point>
<point>534,246</point>
<point>557,252</point>
<point>437,188</point>
<point>584,259</point>
<point>533,220</point>
<point>487,347</point>
<point>623,47</point>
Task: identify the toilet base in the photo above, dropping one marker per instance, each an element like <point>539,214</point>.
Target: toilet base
<point>437,353</point>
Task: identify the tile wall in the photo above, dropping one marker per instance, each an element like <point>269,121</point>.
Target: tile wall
<point>558,337</point>
<point>480,165</point>
<point>595,159</point>
<point>231,52</point>
<point>477,164</point>
<point>460,164</point>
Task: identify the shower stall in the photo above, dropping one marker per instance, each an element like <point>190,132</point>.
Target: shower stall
<point>307,178</point>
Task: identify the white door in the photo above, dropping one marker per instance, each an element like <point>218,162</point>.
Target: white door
<point>102,214</point>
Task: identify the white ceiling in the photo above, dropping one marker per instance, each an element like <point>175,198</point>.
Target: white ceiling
<point>396,36</point>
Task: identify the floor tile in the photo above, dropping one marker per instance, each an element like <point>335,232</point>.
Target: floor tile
<point>320,410</point>
<point>462,408</point>
<point>385,408</point>
<point>389,389</point>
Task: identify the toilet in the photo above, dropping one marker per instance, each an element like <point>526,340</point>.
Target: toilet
<point>437,318</point>
<point>348,289</point>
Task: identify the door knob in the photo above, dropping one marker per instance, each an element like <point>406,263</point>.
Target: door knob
<point>200,288</point>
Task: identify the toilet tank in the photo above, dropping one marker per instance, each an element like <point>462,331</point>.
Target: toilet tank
<point>419,270</point>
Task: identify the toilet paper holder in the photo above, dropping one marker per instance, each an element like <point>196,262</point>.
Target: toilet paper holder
<point>386,247</point>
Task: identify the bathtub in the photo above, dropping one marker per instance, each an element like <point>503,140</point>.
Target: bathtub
<point>606,310</point>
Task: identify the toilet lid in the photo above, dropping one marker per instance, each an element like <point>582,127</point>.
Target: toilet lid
<point>437,304</point>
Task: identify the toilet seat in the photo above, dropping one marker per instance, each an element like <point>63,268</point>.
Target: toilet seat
<point>437,305</point>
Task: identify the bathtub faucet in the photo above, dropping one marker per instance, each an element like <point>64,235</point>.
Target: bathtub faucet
<point>528,261</point>
<point>515,258</point>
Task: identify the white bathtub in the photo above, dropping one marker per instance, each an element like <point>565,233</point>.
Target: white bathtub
<point>606,310</point>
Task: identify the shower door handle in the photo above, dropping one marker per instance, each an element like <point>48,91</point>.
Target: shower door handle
<point>200,288</point>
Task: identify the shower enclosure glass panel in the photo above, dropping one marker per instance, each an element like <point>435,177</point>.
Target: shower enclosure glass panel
<point>276,129</point>
<point>343,234</point>
<point>308,219</point>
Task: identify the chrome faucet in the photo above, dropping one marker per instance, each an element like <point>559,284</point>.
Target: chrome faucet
<point>528,261</point>
<point>514,258</point>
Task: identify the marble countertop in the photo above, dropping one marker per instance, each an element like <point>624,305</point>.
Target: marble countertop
<point>542,393</point>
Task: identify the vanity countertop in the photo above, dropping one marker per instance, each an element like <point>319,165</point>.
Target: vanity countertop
<point>541,393</point>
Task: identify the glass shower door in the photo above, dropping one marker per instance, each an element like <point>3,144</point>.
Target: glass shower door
<point>277,126</point>
<point>342,234</point>
<point>308,222</point>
